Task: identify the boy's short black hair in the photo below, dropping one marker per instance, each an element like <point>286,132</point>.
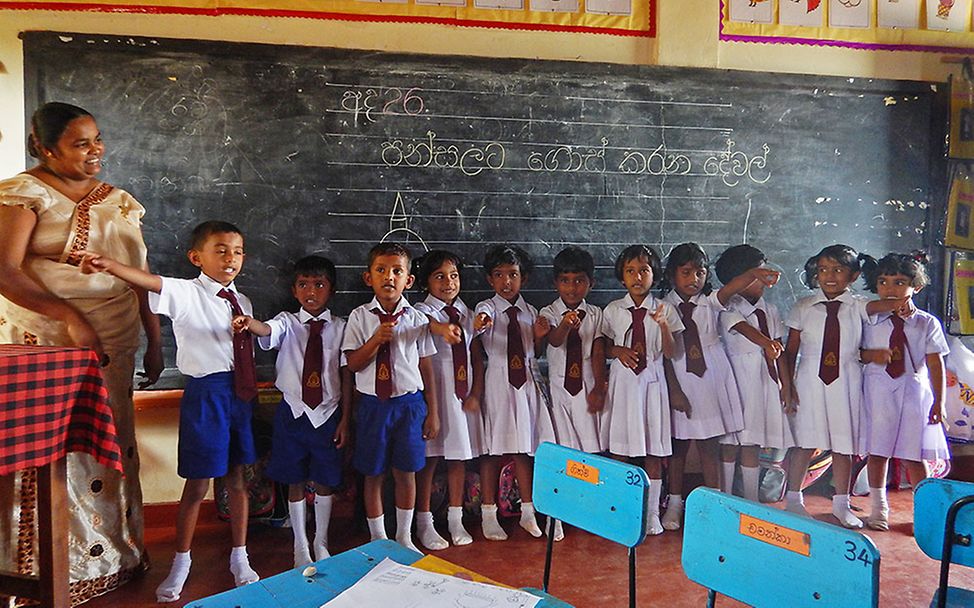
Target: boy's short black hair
<point>574,259</point>
<point>508,254</point>
<point>316,266</point>
<point>737,260</point>
<point>207,229</point>
<point>425,265</point>
<point>633,252</point>
<point>390,248</point>
<point>909,265</point>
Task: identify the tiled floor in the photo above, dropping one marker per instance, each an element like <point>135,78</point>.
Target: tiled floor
<point>588,571</point>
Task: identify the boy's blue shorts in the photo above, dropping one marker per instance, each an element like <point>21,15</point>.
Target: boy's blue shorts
<point>214,428</point>
<point>301,452</point>
<point>390,433</point>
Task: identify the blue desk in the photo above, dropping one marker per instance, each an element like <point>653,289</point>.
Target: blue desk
<point>293,590</point>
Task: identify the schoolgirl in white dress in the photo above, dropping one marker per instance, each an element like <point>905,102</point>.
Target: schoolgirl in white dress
<point>825,334</point>
<point>903,382</point>
<point>704,399</point>
<point>516,421</point>
<point>753,333</point>
<point>639,332</point>
<point>461,436</point>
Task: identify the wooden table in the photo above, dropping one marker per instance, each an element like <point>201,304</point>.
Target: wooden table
<point>52,401</point>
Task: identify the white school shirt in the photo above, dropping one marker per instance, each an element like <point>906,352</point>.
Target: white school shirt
<point>494,338</point>
<point>924,336</point>
<point>200,322</point>
<point>808,316</point>
<point>289,335</point>
<point>589,330</point>
<point>705,315</point>
<point>739,309</point>
<point>617,324</point>
<point>436,308</point>
<point>411,341</point>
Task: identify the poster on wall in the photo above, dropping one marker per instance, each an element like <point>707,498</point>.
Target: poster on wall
<point>806,13</point>
<point>898,14</point>
<point>849,13</point>
<point>963,278</point>
<point>960,207</point>
<point>752,11</point>
<point>962,115</point>
<point>948,15</point>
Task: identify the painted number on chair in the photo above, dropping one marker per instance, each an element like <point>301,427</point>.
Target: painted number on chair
<point>767,532</point>
<point>854,554</point>
<point>580,470</point>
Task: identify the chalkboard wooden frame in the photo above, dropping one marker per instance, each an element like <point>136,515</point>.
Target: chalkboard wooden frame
<point>330,150</point>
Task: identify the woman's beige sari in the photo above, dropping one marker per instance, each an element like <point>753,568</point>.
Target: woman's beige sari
<point>105,540</point>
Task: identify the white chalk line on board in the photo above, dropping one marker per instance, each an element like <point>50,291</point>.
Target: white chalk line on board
<point>530,217</point>
<point>514,193</point>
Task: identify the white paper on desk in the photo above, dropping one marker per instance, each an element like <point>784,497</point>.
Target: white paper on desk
<point>392,585</point>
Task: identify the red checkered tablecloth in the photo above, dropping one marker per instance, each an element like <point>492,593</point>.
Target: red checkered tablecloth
<point>52,401</point>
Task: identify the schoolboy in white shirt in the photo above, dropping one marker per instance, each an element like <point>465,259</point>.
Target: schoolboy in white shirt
<point>312,421</point>
<point>389,348</point>
<point>215,437</point>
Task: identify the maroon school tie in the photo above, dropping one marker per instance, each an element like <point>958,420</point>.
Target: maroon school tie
<point>573,357</point>
<point>828,366</point>
<point>638,339</point>
<point>311,391</point>
<point>517,375</point>
<point>244,368</point>
<point>383,359</point>
<point>693,354</point>
<point>763,326</point>
<point>459,356</point>
<point>897,346</point>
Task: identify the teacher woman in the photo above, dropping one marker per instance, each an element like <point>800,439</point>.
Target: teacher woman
<point>47,214</point>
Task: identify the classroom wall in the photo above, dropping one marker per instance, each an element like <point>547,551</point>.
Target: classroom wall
<point>687,36</point>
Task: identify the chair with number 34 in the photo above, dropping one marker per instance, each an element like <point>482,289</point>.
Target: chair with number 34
<point>766,557</point>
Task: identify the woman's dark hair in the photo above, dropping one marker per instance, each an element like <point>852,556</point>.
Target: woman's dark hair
<point>685,253</point>
<point>634,252</point>
<point>508,254</point>
<point>574,259</point>
<point>843,254</point>
<point>425,265</point>
<point>316,266</point>
<point>48,124</point>
<point>737,260</point>
<point>910,265</point>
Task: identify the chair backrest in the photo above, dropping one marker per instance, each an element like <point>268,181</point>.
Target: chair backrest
<point>603,496</point>
<point>930,503</point>
<point>764,556</point>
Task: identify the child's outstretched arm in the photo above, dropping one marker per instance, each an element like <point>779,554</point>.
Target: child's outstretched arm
<point>902,306</point>
<point>95,262</point>
<point>450,332</point>
<point>476,394</point>
<point>360,358</point>
<point>938,384</point>
<point>343,435</point>
<point>248,323</point>
<point>772,348</point>
<point>431,426</point>
<point>559,333</point>
<point>791,358</point>
<point>740,282</point>
<point>596,397</point>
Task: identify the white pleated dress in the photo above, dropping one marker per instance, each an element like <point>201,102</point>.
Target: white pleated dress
<point>461,434</point>
<point>636,419</point>
<point>765,422</point>
<point>575,426</point>
<point>830,416</point>
<point>516,421</point>
<point>715,403</point>
<point>897,409</point>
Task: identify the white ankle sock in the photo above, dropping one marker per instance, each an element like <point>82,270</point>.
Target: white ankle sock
<point>653,525</point>
<point>297,511</point>
<point>426,532</point>
<point>169,589</point>
<point>404,528</point>
<point>492,528</point>
<point>459,534</point>
<point>556,530</point>
<point>727,476</point>
<point>843,512</point>
<point>877,497</point>
<point>795,503</point>
<point>243,574</point>
<point>322,519</point>
<point>377,527</point>
<point>674,512</point>
<point>750,477</point>
<point>528,520</point>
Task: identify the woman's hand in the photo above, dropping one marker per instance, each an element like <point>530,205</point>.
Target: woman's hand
<point>83,335</point>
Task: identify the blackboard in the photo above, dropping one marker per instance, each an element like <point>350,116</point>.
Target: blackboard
<point>330,151</point>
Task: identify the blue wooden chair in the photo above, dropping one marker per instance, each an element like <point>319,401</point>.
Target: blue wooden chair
<point>597,494</point>
<point>764,556</point>
<point>943,522</point>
